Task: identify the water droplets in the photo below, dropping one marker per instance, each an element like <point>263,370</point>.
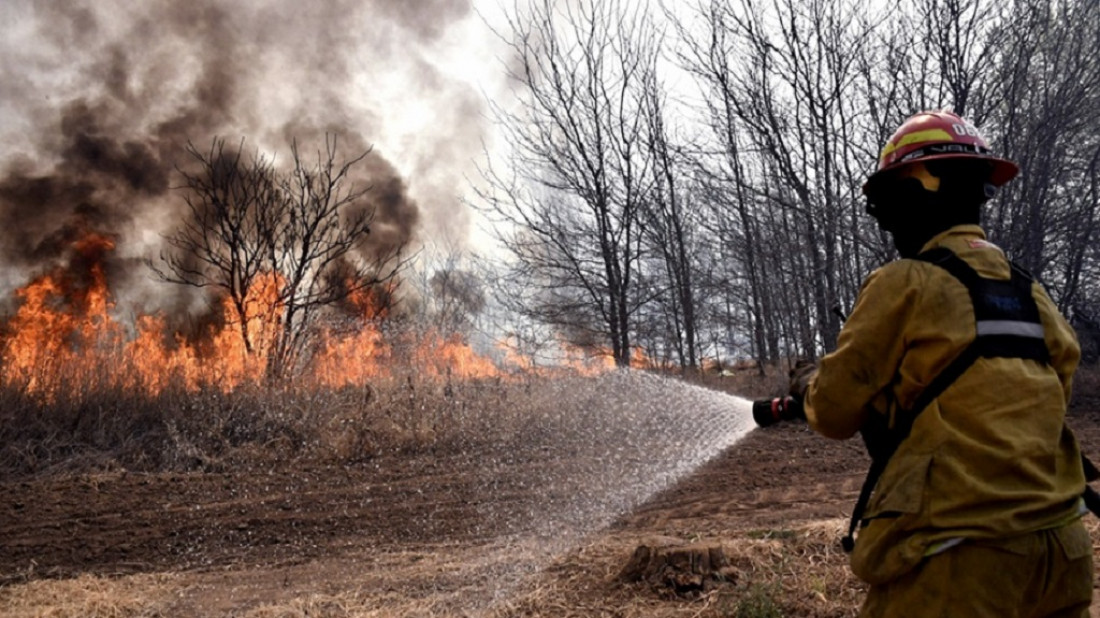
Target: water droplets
<point>596,448</point>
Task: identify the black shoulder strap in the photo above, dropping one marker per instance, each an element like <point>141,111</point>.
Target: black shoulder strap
<point>1007,324</point>
<point>1006,315</point>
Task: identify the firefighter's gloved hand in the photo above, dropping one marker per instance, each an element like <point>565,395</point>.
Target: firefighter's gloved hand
<point>800,376</point>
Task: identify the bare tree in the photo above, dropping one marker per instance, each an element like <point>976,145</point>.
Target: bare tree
<point>754,238</point>
<point>961,41</point>
<point>738,275</point>
<point>320,247</point>
<point>785,110</point>
<point>670,217</point>
<point>233,205</point>
<point>580,167</point>
<point>300,235</point>
<point>1048,87</point>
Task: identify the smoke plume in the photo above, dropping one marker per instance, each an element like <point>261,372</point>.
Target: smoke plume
<point>102,98</point>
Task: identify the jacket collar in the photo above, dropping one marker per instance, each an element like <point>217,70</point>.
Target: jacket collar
<point>968,229</point>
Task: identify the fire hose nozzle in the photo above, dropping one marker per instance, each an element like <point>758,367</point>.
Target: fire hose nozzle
<point>767,412</point>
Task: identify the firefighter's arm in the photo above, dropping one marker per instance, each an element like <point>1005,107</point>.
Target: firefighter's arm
<point>869,351</point>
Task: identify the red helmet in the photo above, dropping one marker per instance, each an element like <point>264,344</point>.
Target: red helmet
<point>939,135</point>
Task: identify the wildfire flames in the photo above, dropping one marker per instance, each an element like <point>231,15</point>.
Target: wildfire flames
<point>64,335</point>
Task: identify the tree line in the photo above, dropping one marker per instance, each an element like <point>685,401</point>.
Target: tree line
<point>689,183</point>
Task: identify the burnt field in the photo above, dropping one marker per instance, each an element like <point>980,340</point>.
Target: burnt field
<point>510,498</point>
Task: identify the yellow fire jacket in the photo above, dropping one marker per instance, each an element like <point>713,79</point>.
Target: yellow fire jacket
<point>991,456</point>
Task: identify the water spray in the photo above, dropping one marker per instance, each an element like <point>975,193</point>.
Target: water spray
<point>628,435</point>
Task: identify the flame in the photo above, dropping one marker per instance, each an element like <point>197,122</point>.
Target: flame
<point>244,346</point>
<point>510,350</point>
<point>39,334</point>
<point>64,335</point>
<point>452,357</point>
<point>351,359</point>
<point>159,365</point>
<point>62,325</point>
<point>584,361</point>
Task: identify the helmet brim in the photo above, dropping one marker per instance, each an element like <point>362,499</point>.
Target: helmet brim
<point>1003,169</point>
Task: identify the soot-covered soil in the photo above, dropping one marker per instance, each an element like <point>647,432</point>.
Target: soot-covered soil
<point>244,538</point>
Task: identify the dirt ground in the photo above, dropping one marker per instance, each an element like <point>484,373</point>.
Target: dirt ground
<point>434,534</point>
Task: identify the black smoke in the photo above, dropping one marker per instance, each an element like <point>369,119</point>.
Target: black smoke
<point>104,98</point>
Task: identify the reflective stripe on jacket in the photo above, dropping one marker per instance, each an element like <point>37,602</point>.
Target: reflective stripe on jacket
<point>991,456</point>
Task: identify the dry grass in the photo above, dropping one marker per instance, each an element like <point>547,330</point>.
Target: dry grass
<point>315,606</point>
<point>749,381</point>
<point>796,572</point>
<point>138,596</point>
<point>212,430</point>
<point>791,572</point>
<point>107,429</point>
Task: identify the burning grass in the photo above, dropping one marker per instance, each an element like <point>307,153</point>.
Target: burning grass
<point>81,388</point>
<point>68,339</point>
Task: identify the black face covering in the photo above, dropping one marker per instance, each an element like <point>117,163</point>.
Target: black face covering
<point>913,215</point>
<point>903,210</point>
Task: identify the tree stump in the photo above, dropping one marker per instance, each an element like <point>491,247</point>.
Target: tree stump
<point>685,569</point>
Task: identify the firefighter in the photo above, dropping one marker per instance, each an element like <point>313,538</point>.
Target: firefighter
<point>958,376</point>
